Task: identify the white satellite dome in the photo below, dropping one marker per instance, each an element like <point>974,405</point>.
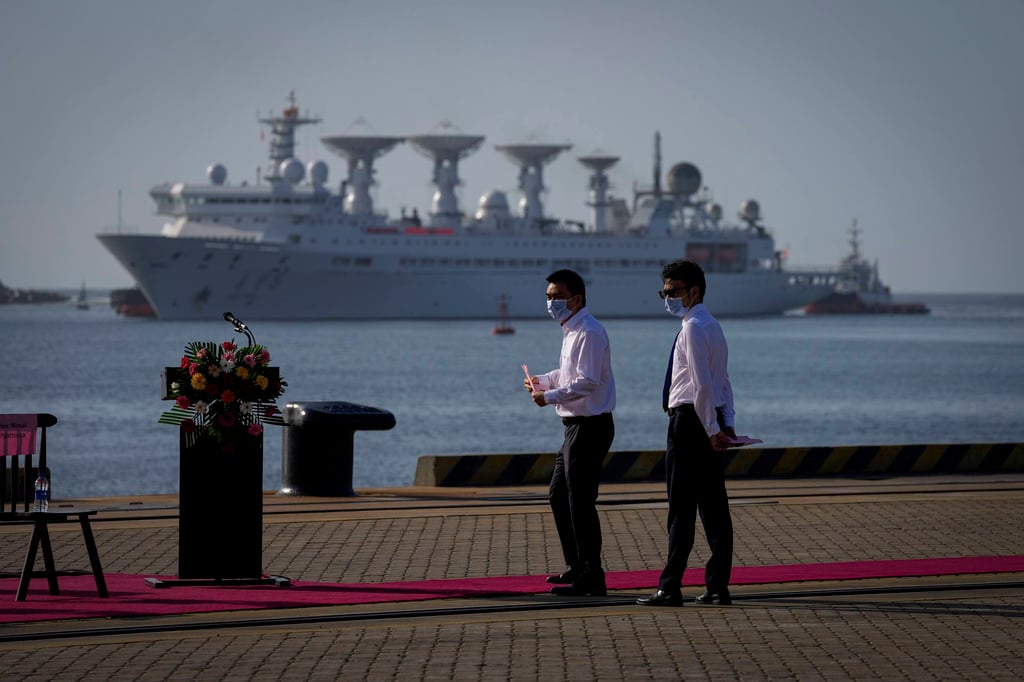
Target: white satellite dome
<point>750,210</point>
<point>217,173</point>
<point>317,172</point>
<point>493,205</point>
<point>292,170</point>
<point>715,211</point>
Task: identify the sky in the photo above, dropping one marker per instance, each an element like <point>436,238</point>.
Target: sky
<point>902,114</point>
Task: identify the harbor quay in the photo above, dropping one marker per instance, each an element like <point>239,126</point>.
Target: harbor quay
<point>858,577</point>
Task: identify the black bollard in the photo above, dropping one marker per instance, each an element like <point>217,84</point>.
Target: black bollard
<point>318,443</point>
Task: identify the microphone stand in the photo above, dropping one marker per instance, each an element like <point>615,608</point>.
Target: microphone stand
<point>240,327</point>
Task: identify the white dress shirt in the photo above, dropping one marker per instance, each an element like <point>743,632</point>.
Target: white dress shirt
<point>583,384</point>
<point>700,361</point>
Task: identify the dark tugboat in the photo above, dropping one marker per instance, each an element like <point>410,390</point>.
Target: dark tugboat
<point>859,291</point>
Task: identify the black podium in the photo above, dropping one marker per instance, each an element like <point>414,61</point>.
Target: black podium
<point>220,511</point>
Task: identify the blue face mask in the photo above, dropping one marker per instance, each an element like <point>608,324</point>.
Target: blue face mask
<point>675,307</point>
<point>558,309</point>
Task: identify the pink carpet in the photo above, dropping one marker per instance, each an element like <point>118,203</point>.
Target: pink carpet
<point>130,596</point>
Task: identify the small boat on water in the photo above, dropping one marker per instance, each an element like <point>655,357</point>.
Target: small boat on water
<point>131,302</point>
<point>503,326</point>
<point>82,302</point>
<point>859,291</point>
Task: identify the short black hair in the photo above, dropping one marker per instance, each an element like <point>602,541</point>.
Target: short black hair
<point>687,272</point>
<point>572,281</point>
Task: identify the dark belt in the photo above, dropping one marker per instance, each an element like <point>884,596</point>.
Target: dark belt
<point>580,420</point>
<point>672,411</point>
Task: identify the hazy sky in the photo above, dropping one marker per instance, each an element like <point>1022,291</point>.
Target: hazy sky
<point>904,114</point>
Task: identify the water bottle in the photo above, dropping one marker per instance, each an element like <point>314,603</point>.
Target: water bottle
<point>42,493</point>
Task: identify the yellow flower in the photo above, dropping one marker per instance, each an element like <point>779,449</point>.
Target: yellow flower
<point>198,381</point>
<point>241,372</point>
<point>261,381</point>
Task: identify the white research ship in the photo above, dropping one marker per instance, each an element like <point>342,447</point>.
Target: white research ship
<point>290,248</point>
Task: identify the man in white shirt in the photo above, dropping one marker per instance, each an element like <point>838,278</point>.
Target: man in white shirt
<point>698,399</point>
<point>582,390</point>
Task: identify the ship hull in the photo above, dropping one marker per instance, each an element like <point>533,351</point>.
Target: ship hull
<point>372,277</point>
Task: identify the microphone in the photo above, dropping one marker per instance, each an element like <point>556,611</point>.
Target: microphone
<point>235,321</point>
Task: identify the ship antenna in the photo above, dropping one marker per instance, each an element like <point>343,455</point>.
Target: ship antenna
<point>657,164</point>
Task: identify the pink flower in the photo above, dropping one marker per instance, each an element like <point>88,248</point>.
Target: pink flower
<point>255,429</point>
<point>193,368</point>
<point>182,402</point>
<point>228,357</point>
<point>201,353</point>
<point>249,360</point>
<point>263,356</point>
<point>227,345</point>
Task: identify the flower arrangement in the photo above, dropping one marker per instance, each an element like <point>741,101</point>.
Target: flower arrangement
<point>224,392</point>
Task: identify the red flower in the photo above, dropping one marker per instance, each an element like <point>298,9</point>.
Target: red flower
<point>228,345</point>
<point>227,397</point>
<point>184,361</point>
<point>228,446</point>
<point>183,402</point>
<point>188,426</point>
<point>270,410</point>
<point>212,388</point>
<point>226,419</point>
<point>192,368</point>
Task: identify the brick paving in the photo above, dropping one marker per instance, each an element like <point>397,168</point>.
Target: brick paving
<point>387,536</point>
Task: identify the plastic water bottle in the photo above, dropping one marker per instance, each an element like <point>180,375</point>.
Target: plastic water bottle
<point>42,493</point>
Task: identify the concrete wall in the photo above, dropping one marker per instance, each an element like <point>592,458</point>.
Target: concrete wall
<point>649,465</point>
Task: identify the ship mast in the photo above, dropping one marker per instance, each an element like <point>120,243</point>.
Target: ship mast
<point>282,136</point>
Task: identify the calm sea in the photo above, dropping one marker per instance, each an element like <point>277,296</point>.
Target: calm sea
<point>955,376</point>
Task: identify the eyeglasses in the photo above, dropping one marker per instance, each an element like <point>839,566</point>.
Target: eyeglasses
<point>671,292</point>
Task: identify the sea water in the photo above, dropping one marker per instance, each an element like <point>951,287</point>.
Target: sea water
<point>954,376</point>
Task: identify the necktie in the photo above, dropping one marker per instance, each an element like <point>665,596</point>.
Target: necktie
<point>668,373</point>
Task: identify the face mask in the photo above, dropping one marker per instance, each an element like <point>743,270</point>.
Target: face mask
<point>675,307</point>
<point>559,310</point>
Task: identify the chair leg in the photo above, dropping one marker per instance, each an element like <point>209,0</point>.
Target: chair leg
<point>51,567</point>
<point>30,560</point>
<point>94,556</point>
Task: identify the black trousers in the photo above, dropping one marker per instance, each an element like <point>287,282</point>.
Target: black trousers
<point>695,473</point>
<point>573,491</point>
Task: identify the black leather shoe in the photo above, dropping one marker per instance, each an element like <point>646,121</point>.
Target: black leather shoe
<point>722,597</point>
<point>582,588</point>
<point>662,598</point>
<point>565,578</point>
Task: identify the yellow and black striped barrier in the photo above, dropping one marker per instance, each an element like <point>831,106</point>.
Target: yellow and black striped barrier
<point>649,465</point>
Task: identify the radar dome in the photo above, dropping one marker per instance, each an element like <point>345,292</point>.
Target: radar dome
<point>217,173</point>
<point>715,211</point>
<point>292,170</point>
<point>683,179</point>
<point>750,210</point>
<point>317,172</point>
<point>493,208</point>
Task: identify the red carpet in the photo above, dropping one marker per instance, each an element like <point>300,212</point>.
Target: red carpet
<point>130,596</point>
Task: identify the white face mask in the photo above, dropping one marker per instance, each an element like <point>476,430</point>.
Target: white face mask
<point>558,309</point>
<point>675,307</point>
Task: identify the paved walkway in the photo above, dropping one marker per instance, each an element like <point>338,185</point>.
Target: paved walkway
<point>951,627</point>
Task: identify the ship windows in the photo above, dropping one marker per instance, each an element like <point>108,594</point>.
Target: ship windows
<point>364,261</point>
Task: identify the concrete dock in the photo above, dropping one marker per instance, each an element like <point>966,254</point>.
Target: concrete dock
<point>962,626</point>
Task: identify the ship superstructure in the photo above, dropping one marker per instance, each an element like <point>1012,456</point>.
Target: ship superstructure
<point>291,247</point>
